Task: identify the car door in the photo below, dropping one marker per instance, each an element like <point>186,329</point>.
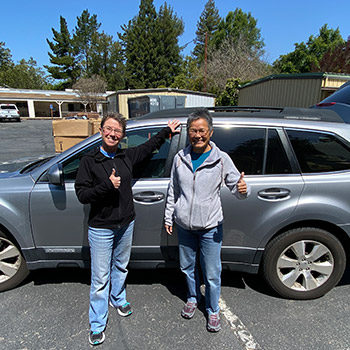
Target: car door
<point>59,220</point>
<point>275,183</point>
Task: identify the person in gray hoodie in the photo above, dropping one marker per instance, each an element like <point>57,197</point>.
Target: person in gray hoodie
<point>193,203</point>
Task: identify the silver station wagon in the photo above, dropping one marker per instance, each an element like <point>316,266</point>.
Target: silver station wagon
<point>294,228</point>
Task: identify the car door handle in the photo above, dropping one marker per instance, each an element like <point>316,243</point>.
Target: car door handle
<point>148,196</point>
<point>274,193</point>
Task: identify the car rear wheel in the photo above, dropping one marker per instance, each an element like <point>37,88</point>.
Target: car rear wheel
<point>304,263</point>
<point>13,268</point>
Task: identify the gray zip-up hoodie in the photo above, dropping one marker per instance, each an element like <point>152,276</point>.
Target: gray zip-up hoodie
<point>193,200</point>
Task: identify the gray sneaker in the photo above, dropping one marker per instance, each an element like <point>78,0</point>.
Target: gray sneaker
<point>189,310</point>
<point>214,324</point>
<point>123,310</point>
<point>96,338</point>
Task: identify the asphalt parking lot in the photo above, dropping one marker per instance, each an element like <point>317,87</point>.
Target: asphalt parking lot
<point>50,309</point>
<point>23,142</point>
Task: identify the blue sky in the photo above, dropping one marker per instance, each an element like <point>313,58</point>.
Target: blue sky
<point>25,25</point>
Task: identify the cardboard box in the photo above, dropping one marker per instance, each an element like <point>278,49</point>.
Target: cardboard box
<point>62,143</point>
<point>95,126</point>
<point>71,127</point>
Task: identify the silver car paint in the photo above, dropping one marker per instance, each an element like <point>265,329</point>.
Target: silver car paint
<point>52,221</point>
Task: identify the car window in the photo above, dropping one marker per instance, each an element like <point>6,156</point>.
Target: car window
<point>245,146</point>
<point>319,152</point>
<point>251,151</point>
<point>276,160</point>
<point>151,167</point>
<point>70,166</point>
<point>154,165</point>
<point>8,107</point>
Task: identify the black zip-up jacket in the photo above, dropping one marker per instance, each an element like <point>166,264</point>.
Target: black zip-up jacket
<point>110,207</point>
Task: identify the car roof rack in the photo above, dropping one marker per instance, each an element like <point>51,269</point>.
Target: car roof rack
<point>291,113</point>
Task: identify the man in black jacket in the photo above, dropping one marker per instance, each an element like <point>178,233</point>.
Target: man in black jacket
<point>104,181</point>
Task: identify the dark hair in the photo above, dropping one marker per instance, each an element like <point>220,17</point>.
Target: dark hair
<point>201,113</point>
<point>117,117</point>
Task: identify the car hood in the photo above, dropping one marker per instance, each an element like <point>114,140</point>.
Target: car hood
<point>7,175</point>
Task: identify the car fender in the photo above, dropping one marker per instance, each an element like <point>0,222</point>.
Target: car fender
<point>14,210</point>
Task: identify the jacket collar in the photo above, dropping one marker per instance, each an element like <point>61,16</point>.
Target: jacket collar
<point>214,155</point>
<point>99,157</point>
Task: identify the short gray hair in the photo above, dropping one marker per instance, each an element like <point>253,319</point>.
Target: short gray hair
<point>200,113</point>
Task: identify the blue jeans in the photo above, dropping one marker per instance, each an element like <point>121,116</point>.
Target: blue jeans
<point>208,244</point>
<point>110,254</point>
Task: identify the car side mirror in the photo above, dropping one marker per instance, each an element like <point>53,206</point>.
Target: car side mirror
<point>55,175</point>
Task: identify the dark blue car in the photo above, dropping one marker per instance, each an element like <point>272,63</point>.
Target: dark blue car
<point>339,102</point>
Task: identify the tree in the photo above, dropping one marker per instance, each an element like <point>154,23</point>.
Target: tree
<point>168,64</point>
<point>65,67</point>
<point>239,26</point>
<point>150,47</point>
<point>24,75</point>
<point>87,26</point>
<point>138,42</point>
<point>233,60</point>
<point>336,60</point>
<point>306,57</point>
<point>208,23</point>
<point>190,76</point>
<point>5,57</point>
<point>90,90</point>
<point>106,60</point>
<point>229,97</point>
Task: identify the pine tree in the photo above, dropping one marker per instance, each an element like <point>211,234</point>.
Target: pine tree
<point>62,57</point>
<point>206,26</point>
<point>169,28</point>
<point>86,27</point>
<point>139,44</point>
<point>106,60</point>
<point>5,56</point>
<point>238,26</point>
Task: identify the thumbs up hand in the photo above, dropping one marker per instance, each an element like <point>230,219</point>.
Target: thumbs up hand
<point>116,180</point>
<point>241,184</point>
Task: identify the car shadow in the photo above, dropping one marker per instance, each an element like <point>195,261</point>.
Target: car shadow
<point>58,276</point>
<point>171,278</point>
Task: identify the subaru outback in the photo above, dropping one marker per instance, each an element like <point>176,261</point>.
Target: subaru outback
<point>294,228</point>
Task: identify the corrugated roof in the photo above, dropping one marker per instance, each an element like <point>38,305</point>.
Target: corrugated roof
<point>314,75</point>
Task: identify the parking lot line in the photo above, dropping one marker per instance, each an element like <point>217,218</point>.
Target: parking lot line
<point>238,328</point>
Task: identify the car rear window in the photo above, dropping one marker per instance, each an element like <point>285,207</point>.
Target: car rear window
<point>319,152</point>
<point>7,107</point>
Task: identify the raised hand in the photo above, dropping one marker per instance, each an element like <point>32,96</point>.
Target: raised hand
<point>241,184</point>
<point>173,124</point>
<point>116,180</point>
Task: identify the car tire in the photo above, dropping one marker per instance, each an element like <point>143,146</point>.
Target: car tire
<point>13,268</point>
<point>304,263</point>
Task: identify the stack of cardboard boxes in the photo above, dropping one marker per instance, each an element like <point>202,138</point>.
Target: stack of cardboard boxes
<point>69,132</point>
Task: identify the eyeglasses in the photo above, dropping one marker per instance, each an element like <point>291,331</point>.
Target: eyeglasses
<point>193,132</point>
<point>108,130</point>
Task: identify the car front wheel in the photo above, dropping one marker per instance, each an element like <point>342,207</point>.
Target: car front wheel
<point>13,268</point>
<point>304,263</point>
